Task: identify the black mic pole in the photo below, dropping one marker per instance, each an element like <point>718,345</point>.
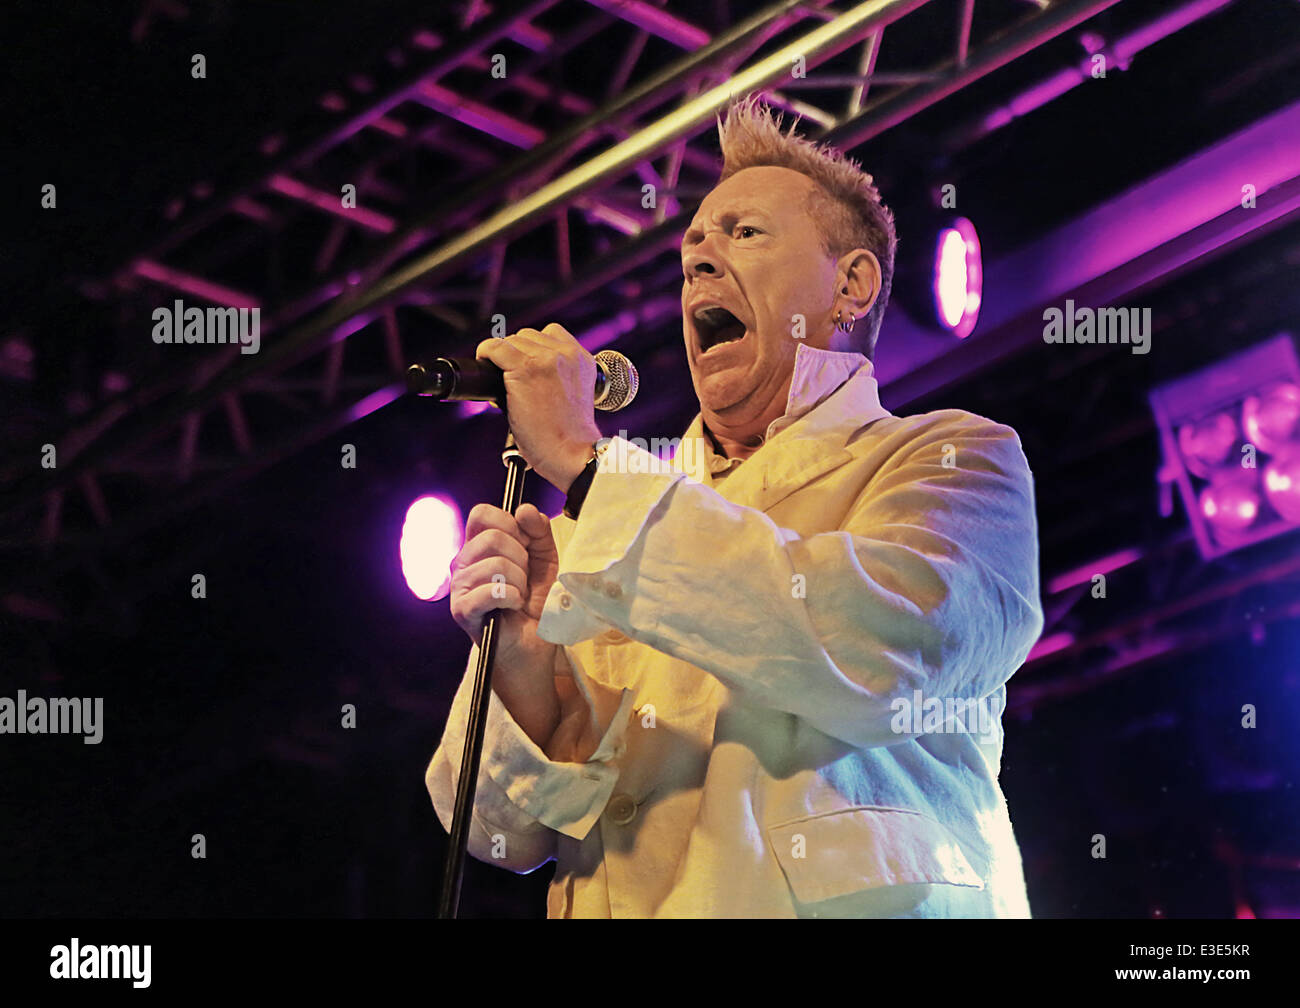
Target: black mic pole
<point>516,469</point>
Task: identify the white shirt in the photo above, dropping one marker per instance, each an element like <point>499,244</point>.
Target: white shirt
<point>736,654</point>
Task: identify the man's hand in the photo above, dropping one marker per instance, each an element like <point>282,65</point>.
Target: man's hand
<point>510,563</point>
<point>550,383</point>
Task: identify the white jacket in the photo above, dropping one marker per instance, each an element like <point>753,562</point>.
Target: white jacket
<point>773,657</point>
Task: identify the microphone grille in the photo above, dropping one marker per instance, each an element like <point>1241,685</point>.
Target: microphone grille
<point>621,381</point>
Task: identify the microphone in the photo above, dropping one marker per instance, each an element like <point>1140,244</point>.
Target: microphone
<point>456,379</point>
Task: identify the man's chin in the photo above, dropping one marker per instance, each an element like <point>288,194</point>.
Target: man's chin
<point>723,391</point>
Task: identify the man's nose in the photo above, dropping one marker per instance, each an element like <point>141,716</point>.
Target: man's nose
<point>701,261</point>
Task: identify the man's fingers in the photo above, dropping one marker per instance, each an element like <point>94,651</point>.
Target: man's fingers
<point>491,543</point>
<point>484,516</point>
<point>534,524</point>
<point>500,352</point>
<point>515,350</point>
<point>474,604</point>
<point>541,549</point>
<point>560,337</point>
<point>491,571</point>
<point>529,347</point>
<point>494,583</point>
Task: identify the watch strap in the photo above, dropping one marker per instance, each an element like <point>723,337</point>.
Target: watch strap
<point>579,487</point>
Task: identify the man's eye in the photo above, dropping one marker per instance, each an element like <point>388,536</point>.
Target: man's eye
<point>743,228</point>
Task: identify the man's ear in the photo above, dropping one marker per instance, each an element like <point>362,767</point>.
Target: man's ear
<point>858,276</point>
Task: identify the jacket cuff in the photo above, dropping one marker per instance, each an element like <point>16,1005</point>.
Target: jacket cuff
<point>567,797</point>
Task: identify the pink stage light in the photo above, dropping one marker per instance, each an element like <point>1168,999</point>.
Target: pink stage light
<point>1230,435</point>
<point>1282,484</point>
<point>1272,418</point>
<point>958,277</point>
<point>1206,443</point>
<point>432,535</point>
<point>1231,502</point>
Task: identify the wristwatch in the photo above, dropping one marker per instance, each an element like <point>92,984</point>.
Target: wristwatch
<point>582,482</point>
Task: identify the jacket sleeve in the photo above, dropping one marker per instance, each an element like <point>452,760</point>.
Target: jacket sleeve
<point>525,797</point>
<point>931,584</point>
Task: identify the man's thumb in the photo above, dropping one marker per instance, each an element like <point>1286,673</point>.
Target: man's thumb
<point>537,527</point>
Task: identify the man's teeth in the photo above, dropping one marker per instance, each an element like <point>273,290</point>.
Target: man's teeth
<point>718,341</point>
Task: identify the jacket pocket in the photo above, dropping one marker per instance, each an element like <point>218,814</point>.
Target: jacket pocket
<point>832,854</point>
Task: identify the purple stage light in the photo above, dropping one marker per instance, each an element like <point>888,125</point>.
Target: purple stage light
<point>1206,443</point>
<point>958,277</point>
<point>1282,484</point>
<point>432,535</point>
<point>1231,502</point>
<point>1240,482</point>
<point>1272,419</point>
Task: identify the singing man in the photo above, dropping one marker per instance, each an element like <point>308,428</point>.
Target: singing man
<point>764,679</point>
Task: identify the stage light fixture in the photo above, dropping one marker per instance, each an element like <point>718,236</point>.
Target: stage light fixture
<point>432,535</point>
<point>1230,502</point>
<point>958,277</point>
<point>1205,444</point>
<point>1282,484</point>
<point>1272,419</point>
<point>1231,442</point>
<point>939,273</point>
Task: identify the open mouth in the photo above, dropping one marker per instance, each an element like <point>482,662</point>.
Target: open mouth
<point>716,326</point>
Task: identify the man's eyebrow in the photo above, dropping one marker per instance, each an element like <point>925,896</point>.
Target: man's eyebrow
<point>694,233</point>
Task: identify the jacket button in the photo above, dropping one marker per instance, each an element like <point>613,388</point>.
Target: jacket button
<point>613,591</point>
<point>614,637</point>
<point>566,601</point>
<point>621,809</point>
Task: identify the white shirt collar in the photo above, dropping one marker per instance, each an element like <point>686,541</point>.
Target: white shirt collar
<point>817,373</point>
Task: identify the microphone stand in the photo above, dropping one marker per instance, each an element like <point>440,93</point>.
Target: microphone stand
<point>516,469</point>
<point>616,387</point>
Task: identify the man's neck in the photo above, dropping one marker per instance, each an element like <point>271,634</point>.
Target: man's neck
<point>732,448</point>
<point>818,370</point>
<point>741,440</point>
